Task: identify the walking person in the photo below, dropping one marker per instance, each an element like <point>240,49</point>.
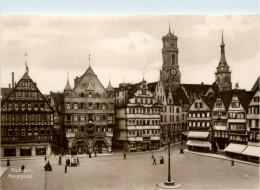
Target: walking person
<point>78,160</point>
<point>154,161</point>
<point>232,162</point>
<point>65,168</point>
<point>8,162</point>
<point>95,153</point>
<point>152,156</point>
<point>45,158</point>
<point>124,158</point>
<point>22,168</point>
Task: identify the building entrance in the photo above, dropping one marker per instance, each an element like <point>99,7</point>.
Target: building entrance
<point>81,147</point>
<point>100,146</point>
<point>9,152</point>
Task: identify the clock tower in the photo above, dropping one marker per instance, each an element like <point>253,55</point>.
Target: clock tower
<point>170,74</point>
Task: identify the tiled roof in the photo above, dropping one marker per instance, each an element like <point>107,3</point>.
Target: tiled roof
<point>226,97</point>
<point>198,88</point>
<point>152,86</point>
<point>244,97</point>
<point>256,85</point>
<point>209,101</point>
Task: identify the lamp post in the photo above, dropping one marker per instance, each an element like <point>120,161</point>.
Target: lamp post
<point>169,184</point>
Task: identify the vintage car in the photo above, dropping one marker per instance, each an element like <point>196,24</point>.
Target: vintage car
<point>73,160</point>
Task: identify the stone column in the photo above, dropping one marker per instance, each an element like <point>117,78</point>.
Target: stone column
<point>18,151</point>
<point>2,152</point>
<point>33,151</point>
<point>48,152</point>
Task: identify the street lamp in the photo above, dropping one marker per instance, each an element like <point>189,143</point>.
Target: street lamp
<point>169,184</point>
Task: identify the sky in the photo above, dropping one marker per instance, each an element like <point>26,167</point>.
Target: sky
<point>125,48</point>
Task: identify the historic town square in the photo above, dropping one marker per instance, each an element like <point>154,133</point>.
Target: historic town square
<point>129,102</point>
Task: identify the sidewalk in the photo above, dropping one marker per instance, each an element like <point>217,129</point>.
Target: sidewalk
<point>25,158</point>
<point>2,171</point>
<point>223,157</point>
<point>141,152</point>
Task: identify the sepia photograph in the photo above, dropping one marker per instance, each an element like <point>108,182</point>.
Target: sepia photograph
<point>129,101</point>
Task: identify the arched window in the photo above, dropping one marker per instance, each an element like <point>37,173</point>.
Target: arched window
<point>104,106</point>
<point>173,59</point>
<point>96,106</point>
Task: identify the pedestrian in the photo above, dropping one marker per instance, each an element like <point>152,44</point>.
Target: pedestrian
<point>60,160</point>
<point>78,160</point>
<point>95,153</point>
<point>124,158</point>
<point>62,153</point>
<point>232,162</point>
<point>89,155</point>
<point>152,156</point>
<point>8,162</point>
<point>162,160</point>
<point>65,169</point>
<point>154,161</point>
<point>22,168</point>
<point>45,158</point>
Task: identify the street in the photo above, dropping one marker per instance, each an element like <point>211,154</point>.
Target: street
<point>136,172</point>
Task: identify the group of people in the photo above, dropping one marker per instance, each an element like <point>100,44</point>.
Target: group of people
<point>154,160</point>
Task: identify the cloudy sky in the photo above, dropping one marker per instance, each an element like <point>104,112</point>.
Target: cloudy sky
<point>125,46</point>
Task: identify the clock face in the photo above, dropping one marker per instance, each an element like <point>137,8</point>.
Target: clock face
<point>173,72</point>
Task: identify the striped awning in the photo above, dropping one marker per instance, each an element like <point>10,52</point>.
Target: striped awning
<point>252,151</point>
<point>198,143</point>
<point>235,148</point>
<point>197,134</point>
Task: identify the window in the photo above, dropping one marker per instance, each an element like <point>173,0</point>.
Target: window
<point>257,99</point>
<point>177,110</point>
<point>200,105</point>
<point>23,132</point>
<point>29,131</point>
<point>36,132</point>
<point>90,106</point>
<point>68,106</point>
<point>235,104</point>
<point>75,118</point>
<point>75,106</point>
<point>143,92</point>
<point>42,131</point>
<point>10,132</point>
<point>82,118</point>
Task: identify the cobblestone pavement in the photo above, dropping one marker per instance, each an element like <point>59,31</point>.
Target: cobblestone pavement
<point>137,172</point>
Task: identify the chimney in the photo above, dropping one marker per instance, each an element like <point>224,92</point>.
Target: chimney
<point>12,79</point>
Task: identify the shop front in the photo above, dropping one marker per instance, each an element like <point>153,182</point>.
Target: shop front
<point>9,152</point>
<point>25,151</point>
<point>40,150</point>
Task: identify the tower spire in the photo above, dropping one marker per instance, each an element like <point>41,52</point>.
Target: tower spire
<point>169,27</point>
<point>89,60</point>
<point>222,56</point>
<point>26,66</point>
<point>68,87</point>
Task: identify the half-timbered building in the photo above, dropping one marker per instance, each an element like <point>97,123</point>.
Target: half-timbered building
<point>26,121</point>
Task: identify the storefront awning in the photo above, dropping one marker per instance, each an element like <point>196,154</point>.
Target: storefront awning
<point>252,151</point>
<point>198,143</point>
<point>235,148</point>
<point>196,134</point>
<point>220,128</point>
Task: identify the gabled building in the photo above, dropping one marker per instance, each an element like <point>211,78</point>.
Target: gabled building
<point>253,114</point>
<point>26,121</point>
<point>237,116</point>
<point>199,124</point>
<point>137,118</point>
<point>89,115</point>
<point>219,120</point>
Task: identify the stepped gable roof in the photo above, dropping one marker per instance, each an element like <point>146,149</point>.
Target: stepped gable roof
<point>58,99</point>
<point>198,88</point>
<point>244,97</point>
<point>209,101</point>
<point>256,85</point>
<point>226,97</point>
<point>152,86</point>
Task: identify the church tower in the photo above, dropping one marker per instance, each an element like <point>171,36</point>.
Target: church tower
<point>223,74</point>
<point>170,74</point>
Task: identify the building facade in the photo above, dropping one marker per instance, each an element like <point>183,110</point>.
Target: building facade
<point>89,115</point>
<point>137,118</point>
<point>26,121</point>
<point>199,124</point>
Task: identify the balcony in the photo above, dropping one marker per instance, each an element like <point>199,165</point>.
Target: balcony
<point>135,139</point>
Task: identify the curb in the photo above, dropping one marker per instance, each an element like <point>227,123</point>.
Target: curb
<point>141,152</point>
<point>222,158</point>
<point>25,158</point>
